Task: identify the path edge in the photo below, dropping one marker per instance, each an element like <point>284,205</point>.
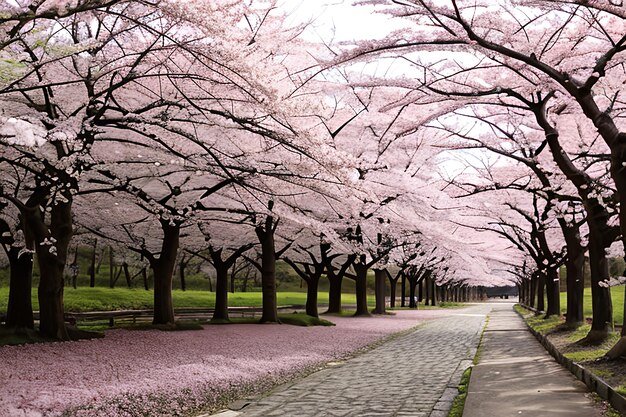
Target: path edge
<point>444,404</point>
<point>592,381</point>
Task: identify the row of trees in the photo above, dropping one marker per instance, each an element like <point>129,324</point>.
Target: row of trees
<point>471,145</point>
<point>531,93</point>
<point>165,127</point>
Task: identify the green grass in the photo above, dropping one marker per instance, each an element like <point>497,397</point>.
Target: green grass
<point>585,355</point>
<point>458,404</point>
<point>617,296</point>
<point>542,325</point>
<point>103,299</point>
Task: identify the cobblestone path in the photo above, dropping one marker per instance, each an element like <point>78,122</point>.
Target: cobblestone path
<point>413,375</point>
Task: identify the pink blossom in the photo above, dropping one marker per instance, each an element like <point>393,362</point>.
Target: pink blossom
<point>130,373</point>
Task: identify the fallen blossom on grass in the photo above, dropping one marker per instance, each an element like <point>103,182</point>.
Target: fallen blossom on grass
<point>143,373</point>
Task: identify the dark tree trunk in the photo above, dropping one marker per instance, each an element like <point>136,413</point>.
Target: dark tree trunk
<point>221,291</point>
<point>379,278</point>
<point>412,284</point>
<point>181,273</point>
<point>20,308</point>
<point>92,267</point>
<point>541,284</point>
<point>393,283</point>
<point>74,268</point>
<point>574,265</point>
<point>534,284</point>
<point>420,291</point>
<point>268,271</point>
<point>403,291</point>
<point>311,296</point>
<point>163,270</point>
<point>334,293</point>
<point>51,259</point>
<point>233,275</point>
<point>127,275</point>
<point>552,291</point>
<point>433,292</point>
<point>111,269</point>
<point>144,276</point>
<point>244,284</point>
<point>361,288</point>
<point>601,302</point>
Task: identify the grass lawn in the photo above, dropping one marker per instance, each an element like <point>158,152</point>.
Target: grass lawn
<point>617,294</point>
<point>100,299</point>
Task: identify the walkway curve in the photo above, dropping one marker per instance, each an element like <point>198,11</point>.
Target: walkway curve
<point>413,375</point>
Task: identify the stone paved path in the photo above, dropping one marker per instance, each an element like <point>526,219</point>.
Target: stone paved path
<point>517,377</point>
<point>413,375</point>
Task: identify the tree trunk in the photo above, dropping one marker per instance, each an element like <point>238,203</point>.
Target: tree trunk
<point>412,299</point>
<point>181,272</point>
<point>433,292</point>
<point>541,284</point>
<point>312,284</point>
<point>92,267</point>
<point>534,284</point>
<point>361,288</point>
<point>574,265</point>
<point>111,269</point>
<point>420,291</point>
<point>393,283</point>
<point>403,291</point>
<point>334,293</point>
<point>268,271</point>
<point>20,308</point>
<point>221,291</point>
<point>163,270</point>
<point>51,259</point>
<point>379,277</point>
<point>552,290</point>
<point>144,275</point>
<point>232,278</point>
<point>127,274</point>
<point>601,302</point>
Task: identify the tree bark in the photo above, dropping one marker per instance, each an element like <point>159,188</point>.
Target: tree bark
<point>181,273</point>
<point>541,284</point>
<point>433,292</point>
<point>111,268</point>
<point>601,302</point>
<point>92,267</point>
<point>361,288</point>
<point>379,277</point>
<point>393,283</point>
<point>20,308</point>
<point>51,258</point>
<point>127,275</point>
<point>574,265</point>
<point>265,234</point>
<point>144,276</point>
<point>312,285</point>
<point>163,270</point>
<point>221,291</point>
<point>403,290</point>
<point>552,291</point>
<point>334,293</point>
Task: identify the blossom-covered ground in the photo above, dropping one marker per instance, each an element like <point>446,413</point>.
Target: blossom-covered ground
<point>144,373</point>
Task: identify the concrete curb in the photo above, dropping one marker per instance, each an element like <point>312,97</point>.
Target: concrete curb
<point>593,382</point>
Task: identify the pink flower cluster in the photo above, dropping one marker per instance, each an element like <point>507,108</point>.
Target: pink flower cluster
<point>134,373</point>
